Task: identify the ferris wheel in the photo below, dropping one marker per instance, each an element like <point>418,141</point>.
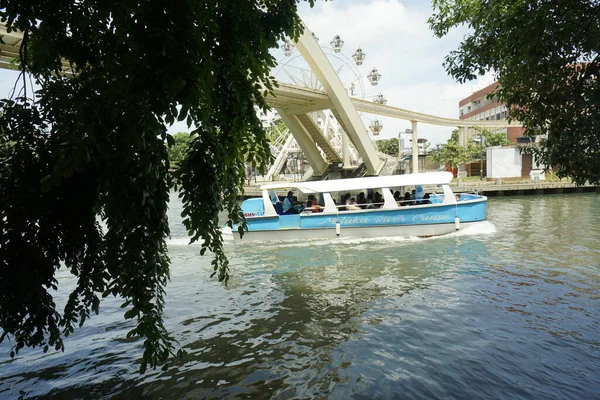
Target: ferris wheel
<point>293,69</point>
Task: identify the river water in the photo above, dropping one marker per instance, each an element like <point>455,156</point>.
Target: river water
<point>505,311</point>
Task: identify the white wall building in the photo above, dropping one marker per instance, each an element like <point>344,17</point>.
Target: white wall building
<point>508,162</point>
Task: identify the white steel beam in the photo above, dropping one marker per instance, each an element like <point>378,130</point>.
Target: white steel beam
<point>322,68</point>
<point>306,143</point>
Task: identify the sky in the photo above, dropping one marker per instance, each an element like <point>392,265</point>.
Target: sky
<point>396,38</point>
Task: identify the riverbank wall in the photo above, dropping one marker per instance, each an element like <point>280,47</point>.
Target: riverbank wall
<point>520,188</point>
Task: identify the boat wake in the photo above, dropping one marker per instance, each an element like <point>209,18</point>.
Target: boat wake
<point>184,241</point>
<point>483,228</point>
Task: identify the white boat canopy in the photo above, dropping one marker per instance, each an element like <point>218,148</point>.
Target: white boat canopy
<point>375,182</point>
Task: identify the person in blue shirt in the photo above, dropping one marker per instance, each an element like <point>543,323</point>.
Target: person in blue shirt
<point>288,204</point>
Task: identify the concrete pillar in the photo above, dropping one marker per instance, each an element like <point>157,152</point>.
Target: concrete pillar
<point>415,148</point>
<point>346,150</point>
<point>462,136</point>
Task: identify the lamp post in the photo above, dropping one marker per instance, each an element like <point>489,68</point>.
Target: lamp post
<point>414,153</point>
<point>399,145</point>
<point>480,140</point>
<point>481,158</point>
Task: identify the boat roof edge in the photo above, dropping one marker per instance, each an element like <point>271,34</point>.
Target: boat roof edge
<point>374,182</point>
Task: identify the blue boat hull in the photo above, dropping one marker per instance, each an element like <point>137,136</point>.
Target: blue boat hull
<point>424,220</point>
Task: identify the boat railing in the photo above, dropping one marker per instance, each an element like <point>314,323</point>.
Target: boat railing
<point>435,199</point>
<point>346,207</point>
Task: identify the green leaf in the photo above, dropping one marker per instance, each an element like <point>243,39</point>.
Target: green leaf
<point>92,146</point>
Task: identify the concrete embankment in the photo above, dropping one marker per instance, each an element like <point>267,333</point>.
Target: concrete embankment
<point>521,188</point>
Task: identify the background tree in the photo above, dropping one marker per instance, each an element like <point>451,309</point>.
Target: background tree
<point>451,153</point>
<point>179,147</point>
<point>494,138</point>
<point>388,146</point>
<point>545,55</point>
<point>476,149</point>
<point>92,145</point>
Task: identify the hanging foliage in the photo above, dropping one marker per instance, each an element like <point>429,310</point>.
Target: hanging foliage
<point>91,146</point>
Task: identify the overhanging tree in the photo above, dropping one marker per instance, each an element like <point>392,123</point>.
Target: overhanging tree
<point>546,57</point>
<point>92,146</point>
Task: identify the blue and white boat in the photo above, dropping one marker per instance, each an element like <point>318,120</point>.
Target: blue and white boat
<point>445,214</point>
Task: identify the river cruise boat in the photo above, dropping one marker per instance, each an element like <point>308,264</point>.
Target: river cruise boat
<point>428,207</point>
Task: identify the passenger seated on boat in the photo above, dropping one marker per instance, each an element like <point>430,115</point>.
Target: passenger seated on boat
<point>310,201</point>
<point>313,205</point>
<point>288,204</point>
<point>370,204</point>
<point>407,201</point>
<point>397,195</point>
<point>457,197</point>
<point>377,200</point>
<point>347,201</point>
<point>361,200</point>
<point>344,201</point>
<point>426,199</point>
<point>352,205</point>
